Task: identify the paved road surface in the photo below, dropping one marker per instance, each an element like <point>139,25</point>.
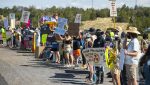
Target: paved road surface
<point>24,69</point>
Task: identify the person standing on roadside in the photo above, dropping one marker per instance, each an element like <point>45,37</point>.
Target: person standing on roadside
<point>131,55</point>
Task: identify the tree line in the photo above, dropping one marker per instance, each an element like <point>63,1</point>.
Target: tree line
<point>137,16</point>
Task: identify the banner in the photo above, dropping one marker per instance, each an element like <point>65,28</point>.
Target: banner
<point>25,16</point>
<point>12,15</point>
<point>12,23</point>
<point>73,29</point>
<point>94,56</point>
<point>60,31</point>
<point>78,18</point>
<point>113,9</point>
<point>6,23</point>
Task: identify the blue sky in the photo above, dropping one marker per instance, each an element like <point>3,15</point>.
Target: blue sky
<point>98,4</point>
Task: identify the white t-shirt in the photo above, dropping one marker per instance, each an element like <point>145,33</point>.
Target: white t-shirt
<point>133,46</point>
<point>94,37</point>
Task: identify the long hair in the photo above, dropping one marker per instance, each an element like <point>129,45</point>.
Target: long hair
<point>146,57</point>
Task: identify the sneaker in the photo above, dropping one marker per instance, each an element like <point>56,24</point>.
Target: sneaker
<point>72,65</point>
<point>66,65</point>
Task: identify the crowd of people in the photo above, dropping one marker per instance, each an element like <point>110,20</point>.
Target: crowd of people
<point>123,52</point>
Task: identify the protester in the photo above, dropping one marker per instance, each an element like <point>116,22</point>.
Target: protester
<point>89,44</point>
<point>144,43</point>
<point>76,51</point>
<point>99,43</point>
<point>55,49</point>
<point>122,58</point>
<point>131,55</point>
<point>68,51</point>
<point>145,62</point>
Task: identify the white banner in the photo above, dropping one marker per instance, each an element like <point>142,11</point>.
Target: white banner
<point>25,16</point>
<point>12,15</point>
<point>12,23</point>
<point>78,18</point>
<point>113,9</point>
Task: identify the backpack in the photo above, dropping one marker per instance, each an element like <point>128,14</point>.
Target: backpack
<point>99,42</point>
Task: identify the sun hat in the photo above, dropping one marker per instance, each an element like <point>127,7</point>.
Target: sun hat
<point>133,30</point>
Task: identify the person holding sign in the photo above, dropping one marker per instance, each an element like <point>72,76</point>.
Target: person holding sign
<point>99,43</point>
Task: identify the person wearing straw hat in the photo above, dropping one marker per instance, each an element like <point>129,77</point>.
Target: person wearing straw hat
<point>131,55</point>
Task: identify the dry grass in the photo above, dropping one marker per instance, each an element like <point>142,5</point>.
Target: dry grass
<point>101,23</point>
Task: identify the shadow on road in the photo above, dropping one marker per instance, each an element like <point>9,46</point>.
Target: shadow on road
<point>68,75</point>
<point>2,80</point>
<point>67,78</point>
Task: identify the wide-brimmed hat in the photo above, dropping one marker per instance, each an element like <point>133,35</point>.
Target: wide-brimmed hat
<point>132,30</point>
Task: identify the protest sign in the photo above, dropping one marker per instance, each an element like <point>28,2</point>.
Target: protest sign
<point>113,9</point>
<point>59,31</point>
<point>12,23</point>
<point>78,18</point>
<point>12,15</point>
<point>94,55</point>
<point>62,20</point>
<point>25,16</point>
<point>73,29</point>
<point>6,23</point>
<point>61,25</point>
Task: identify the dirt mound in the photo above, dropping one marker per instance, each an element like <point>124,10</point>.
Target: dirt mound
<point>101,23</point>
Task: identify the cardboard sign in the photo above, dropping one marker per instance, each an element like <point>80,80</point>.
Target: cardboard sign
<point>60,31</point>
<point>12,15</point>
<point>94,55</point>
<point>113,9</point>
<point>25,16</point>
<point>6,23</point>
<point>78,18</point>
<point>73,29</point>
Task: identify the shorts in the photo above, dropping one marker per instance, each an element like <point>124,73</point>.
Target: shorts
<point>115,70</point>
<point>131,71</point>
<point>55,49</point>
<point>77,53</point>
<point>68,51</point>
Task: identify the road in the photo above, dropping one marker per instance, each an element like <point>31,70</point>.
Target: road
<point>23,69</point>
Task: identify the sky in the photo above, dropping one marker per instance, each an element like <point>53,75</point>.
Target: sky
<point>97,4</point>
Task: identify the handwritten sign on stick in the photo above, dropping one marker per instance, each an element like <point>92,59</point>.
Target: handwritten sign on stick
<point>73,29</point>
